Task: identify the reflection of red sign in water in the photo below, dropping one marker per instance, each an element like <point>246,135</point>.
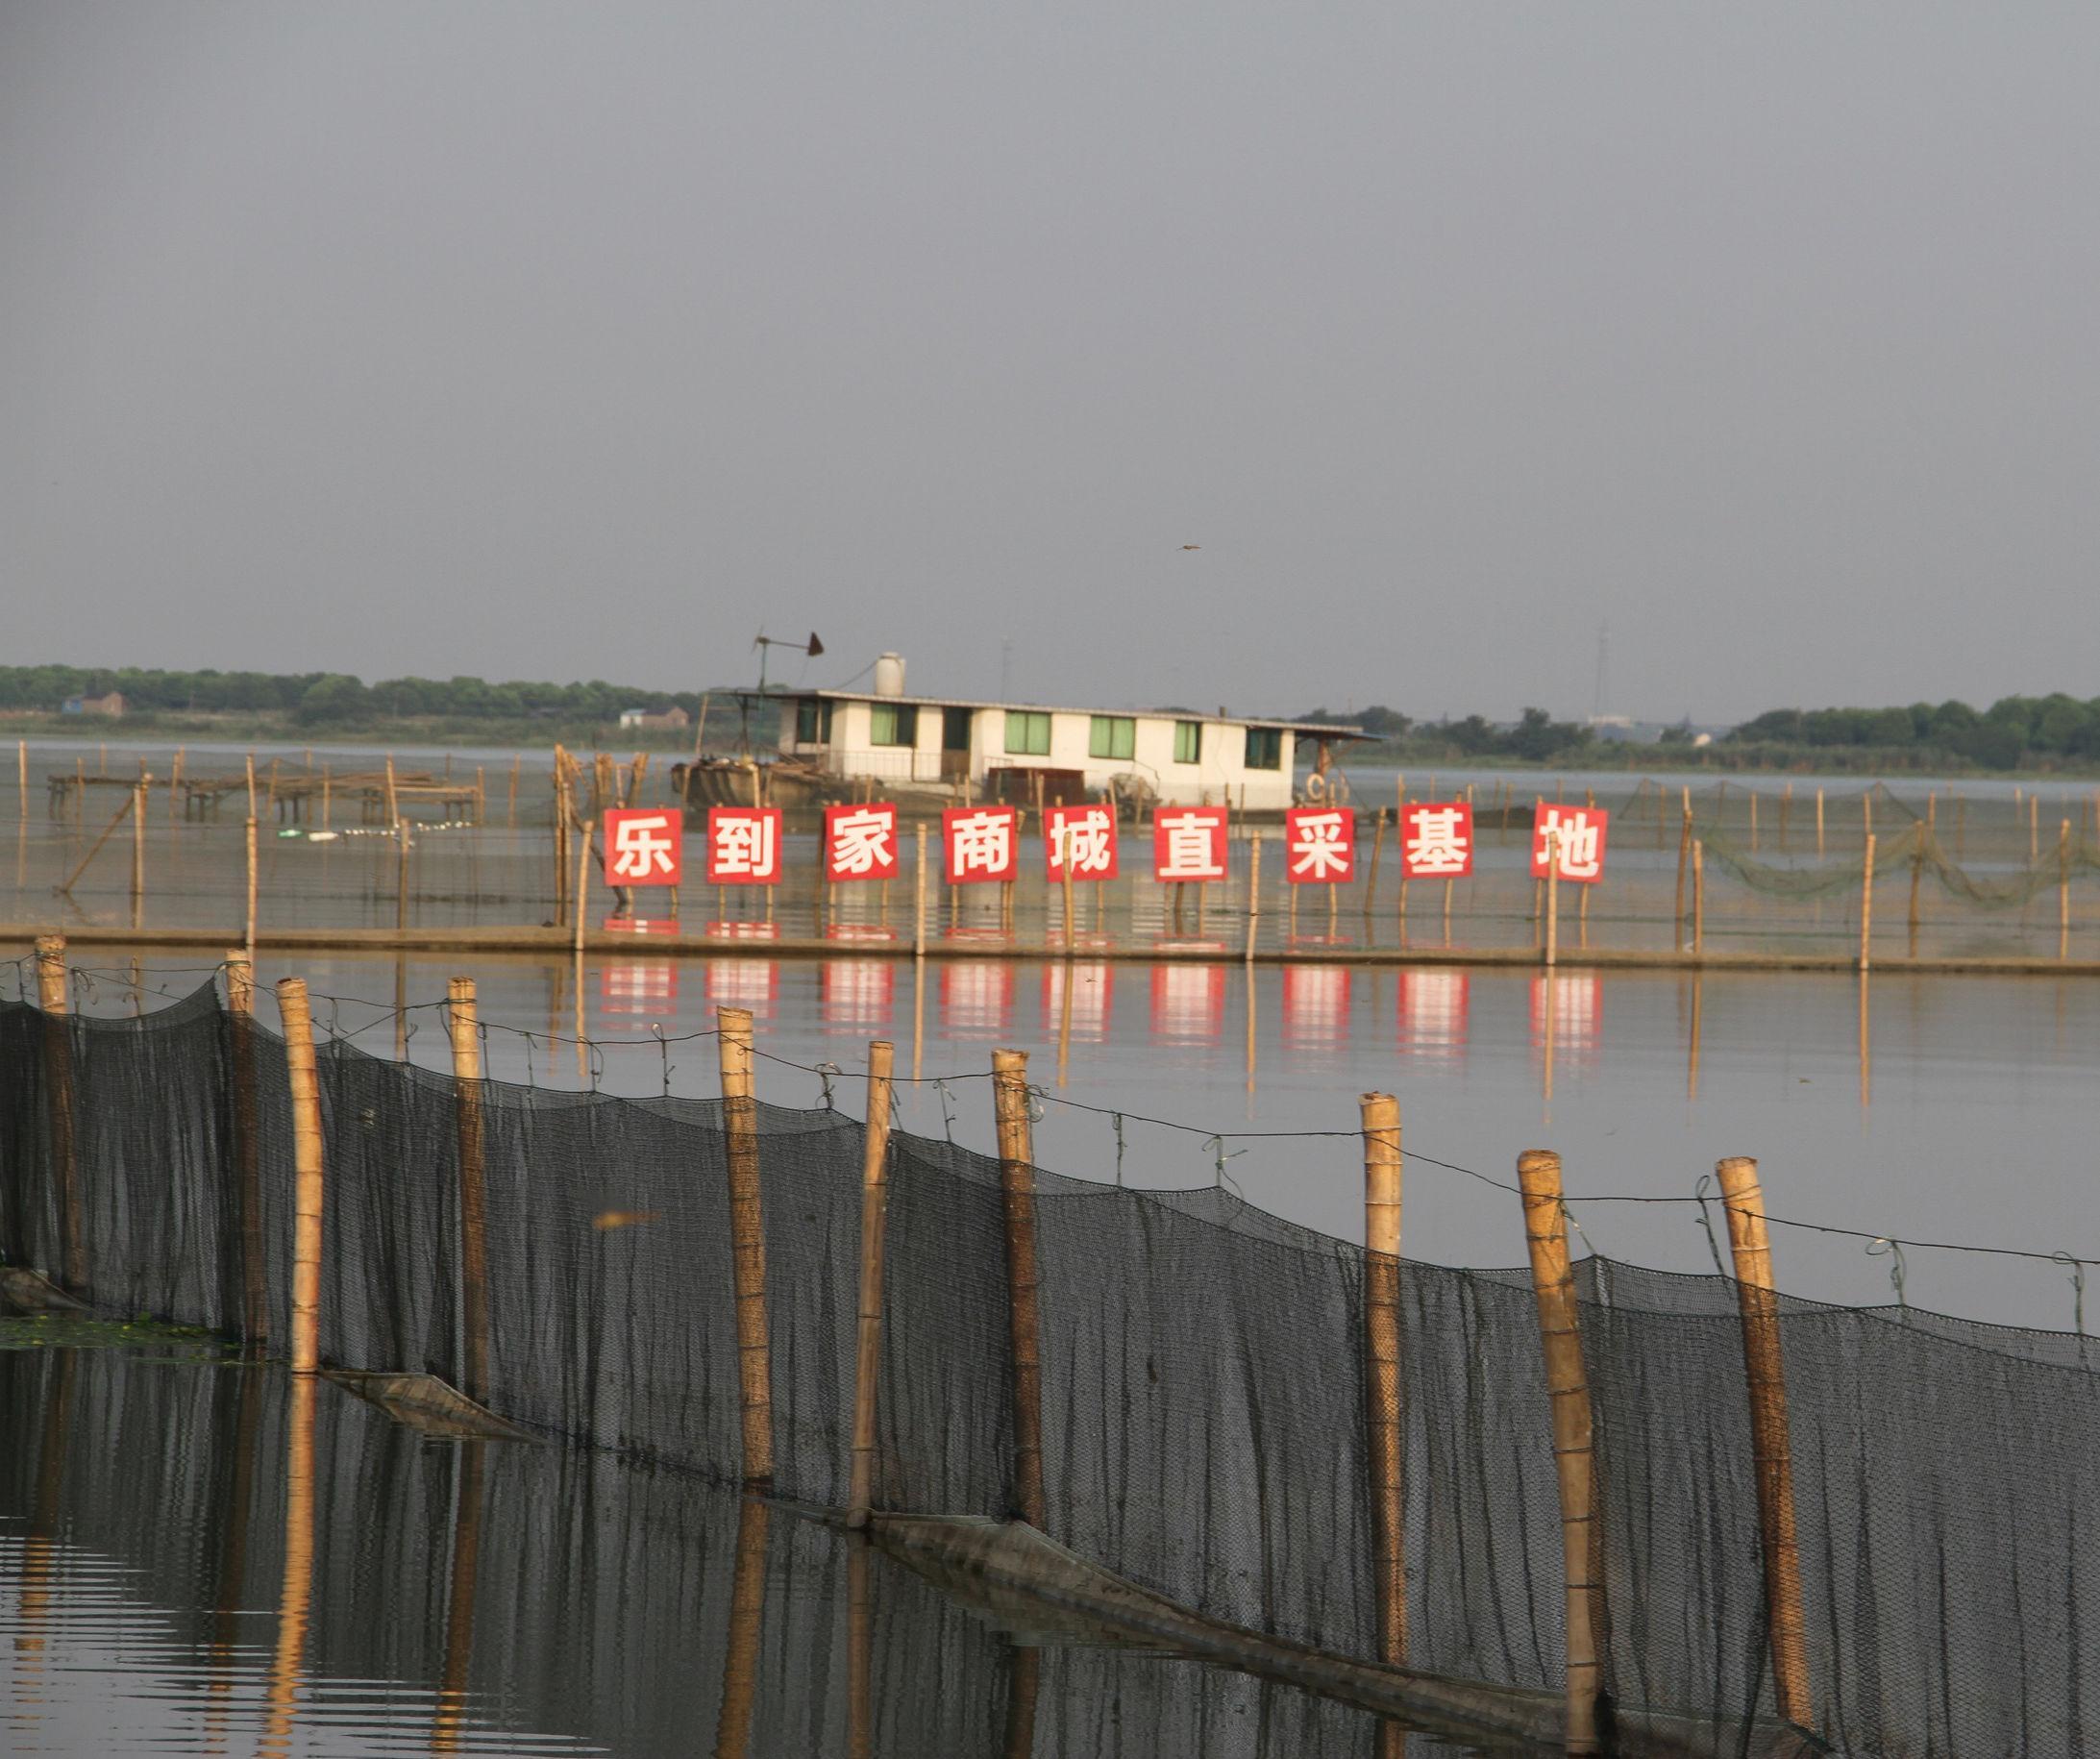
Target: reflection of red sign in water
<point>1318,846</point>
<point>753,983</point>
<point>980,844</point>
<point>1091,833</point>
<point>743,845</point>
<point>1578,835</point>
<point>639,925</point>
<point>630,989</point>
<point>977,996</point>
<point>859,931</point>
<point>861,842</point>
<point>1093,999</point>
<point>741,930</point>
<point>1316,1004</point>
<point>1434,1003</point>
<point>1188,844</point>
<point>1188,1003</point>
<point>1437,840</point>
<point>1577,1001</point>
<point>643,846</point>
<point>857,993</point>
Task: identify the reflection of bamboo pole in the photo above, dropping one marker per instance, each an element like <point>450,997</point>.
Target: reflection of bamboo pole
<point>230,1600</point>
<point>1553,1285</point>
<point>1770,1444</point>
<point>466,1560</point>
<point>58,1035</point>
<point>747,1240</point>
<point>859,1655</point>
<point>295,1596</point>
<point>874,1220</point>
<point>466,1071</point>
<point>1023,1684</point>
<point>81,866</point>
<point>240,1007</point>
<point>306,1199</point>
<point>1692,1073</point>
<point>1017,1180</point>
<point>1380,1114</point>
<point>1866,1063</point>
<point>747,1615</point>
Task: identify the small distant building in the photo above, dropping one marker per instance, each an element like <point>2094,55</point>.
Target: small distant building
<point>655,719</point>
<point>110,705</point>
<point>1178,758</point>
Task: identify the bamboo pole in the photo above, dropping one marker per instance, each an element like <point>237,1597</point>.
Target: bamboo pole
<point>1553,1285</point>
<point>139,849</point>
<point>401,872</point>
<point>581,896</point>
<point>874,1220</point>
<point>1683,856</point>
<point>21,778</point>
<point>747,1238</point>
<point>251,770</point>
<point>1866,901</point>
<point>328,789</point>
<point>1017,1180</point>
<point>1698,898</point>
<point>1065,842</point>
<point>918,900</point>
<point>1917,876</point>
<point>1770,1443</point>
<point>1819,823</point>
<point>1377,848</point>
<point>466,1074</point>
<point>51,998</point>
<point>241,1008</point>
<point>1254,894</point>
<point>1380,1114</point>
<point>393,804</point>
<point>2063,890</point>
<point>2034,828</point>
<point>1552,898</point>
<point>248,939</point>
<point>307,1162</point>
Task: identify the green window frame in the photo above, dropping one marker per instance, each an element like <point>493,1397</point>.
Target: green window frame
<point>1028,732</point>
<point>813,721</point>
<point>893,724</point>
<point>1265,748</point>
<point>1112,736</point>
<point>1188,742</point>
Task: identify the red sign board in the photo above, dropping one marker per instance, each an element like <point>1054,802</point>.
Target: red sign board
<point>643,845</point>
<point>1188,844</point>
<point>861,842</point>
<point>743,846</point>
<point>1090,832</point>
<point>982,844</point>
<point>1318,846</point>
<point>1437,840</point>
<point>1578,841</point>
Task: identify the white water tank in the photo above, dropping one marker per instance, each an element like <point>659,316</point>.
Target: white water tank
<point>889,675</point>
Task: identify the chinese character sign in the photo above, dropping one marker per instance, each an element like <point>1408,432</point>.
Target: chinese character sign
<point>1578,837</point>
<point>1437,841</point>
<point>981,843</point>
<point>861,842</point>
<point>1089,832</point>
<point>744,846</point>
<point>1318,846</point>
<point>643,848</point>
<point>1188,844</point>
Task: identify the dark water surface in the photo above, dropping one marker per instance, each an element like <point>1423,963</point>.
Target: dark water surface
<point>195,1557</point>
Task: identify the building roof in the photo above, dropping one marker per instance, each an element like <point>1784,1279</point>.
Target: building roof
<point>1317,730</point>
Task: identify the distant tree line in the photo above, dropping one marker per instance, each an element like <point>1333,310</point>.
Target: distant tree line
<point>1536,737</point>
<point>2013,730</point>
<point>334,698</point>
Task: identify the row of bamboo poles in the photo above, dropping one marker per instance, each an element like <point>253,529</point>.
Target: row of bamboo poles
<point>1546,1227</point>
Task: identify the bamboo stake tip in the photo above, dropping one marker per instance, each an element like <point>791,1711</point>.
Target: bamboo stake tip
<point>1539,1172</point>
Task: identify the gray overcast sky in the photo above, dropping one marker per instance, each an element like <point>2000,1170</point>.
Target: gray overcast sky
<point>580,340</point>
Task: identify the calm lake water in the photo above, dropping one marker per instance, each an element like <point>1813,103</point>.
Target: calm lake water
<point>195,1559</point>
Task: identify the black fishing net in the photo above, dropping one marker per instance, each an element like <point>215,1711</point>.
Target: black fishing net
<point>1203,1407</point>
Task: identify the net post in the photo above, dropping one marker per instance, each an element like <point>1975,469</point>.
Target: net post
<point>1866,902</point>
<point>1066,842</point>
<point>1683,856</point>
<point>1380,1114</point>
<point>1698,898</point>
<point>1017,1185</point>
<point>1552,898</point>
<point>875,1162</point>
<point>307,1164</point>
<point>65,1133</point>
<point>400,875</point>
<point>466,1072</point>
<point>248,938</point>
<point>748,1239</point>
<point>918,900</point>
<point>139,849</point>
<point>1567,1387</point>
<point>2063,889</point>
<point>1377,848</point>
<point>1772,1449</point>
<point>1253,893</point>
<point>241,1008</point>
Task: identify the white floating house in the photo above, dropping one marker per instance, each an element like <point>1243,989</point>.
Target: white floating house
<point>944,744</point>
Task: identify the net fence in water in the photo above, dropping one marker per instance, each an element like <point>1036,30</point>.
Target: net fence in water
<point>1206,1424</point>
